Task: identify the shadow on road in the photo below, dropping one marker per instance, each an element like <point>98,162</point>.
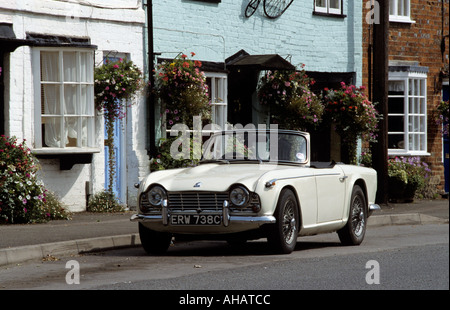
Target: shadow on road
<point>221,248</point>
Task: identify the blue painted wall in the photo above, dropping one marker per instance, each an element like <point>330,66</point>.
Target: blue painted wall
<point>217,31</point>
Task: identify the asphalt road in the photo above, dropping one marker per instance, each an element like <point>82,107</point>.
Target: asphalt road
<point>390,258</point>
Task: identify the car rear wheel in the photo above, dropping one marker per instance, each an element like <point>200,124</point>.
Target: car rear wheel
<point>153,242</point>
<point>355,229</point>
<point>282,235</point>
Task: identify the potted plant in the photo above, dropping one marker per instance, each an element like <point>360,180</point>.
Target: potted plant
<point>291,102</point>
<point>353,116</point>
<point>115,83</point>
<point>406,175</point>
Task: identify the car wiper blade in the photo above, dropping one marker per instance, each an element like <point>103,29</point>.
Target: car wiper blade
<point>248,159</point>
<point>209,161</point>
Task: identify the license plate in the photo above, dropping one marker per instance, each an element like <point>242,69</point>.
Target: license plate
<point>195,219</point>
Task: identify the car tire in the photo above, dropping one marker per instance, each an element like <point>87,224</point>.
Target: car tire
<point>282,235</point>
<point>354,231</point>
<point>154,242</point>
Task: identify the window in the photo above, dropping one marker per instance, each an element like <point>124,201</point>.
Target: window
<point>218,92</point>
<point>400,11</point>
<point>328,6</point>
<point>407,115</point>
<point>64,116</point>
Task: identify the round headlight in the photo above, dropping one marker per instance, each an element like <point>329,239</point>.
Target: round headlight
<point>239,196</point>
<point>156,195</point>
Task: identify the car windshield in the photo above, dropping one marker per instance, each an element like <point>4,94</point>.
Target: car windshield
<point>271,146</point>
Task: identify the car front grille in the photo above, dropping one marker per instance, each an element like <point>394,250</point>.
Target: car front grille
<point>208,201</point>
<point>197,201</point>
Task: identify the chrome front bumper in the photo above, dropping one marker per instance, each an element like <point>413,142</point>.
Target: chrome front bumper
<point>373,207</point>
<point>226,217</point>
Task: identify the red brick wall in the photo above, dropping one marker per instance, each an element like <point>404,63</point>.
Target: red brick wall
<point>420,42</point>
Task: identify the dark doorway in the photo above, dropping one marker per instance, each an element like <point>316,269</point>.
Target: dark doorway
<point>242,84</point>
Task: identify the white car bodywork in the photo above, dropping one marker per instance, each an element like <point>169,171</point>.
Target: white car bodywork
<point>323,195</point>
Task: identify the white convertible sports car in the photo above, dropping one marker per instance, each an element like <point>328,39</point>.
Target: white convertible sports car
<point>252,184</point>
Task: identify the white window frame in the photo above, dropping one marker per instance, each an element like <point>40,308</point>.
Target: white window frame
<point>327,9</point>
<point>414,114</point>
<point>218,94</point>
<point>90,144</point>
<point>402,5</point>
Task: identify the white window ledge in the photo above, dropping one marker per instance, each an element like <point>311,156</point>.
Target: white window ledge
<point>404,153</point>
<point>65,151</point>
<point>401,19</point>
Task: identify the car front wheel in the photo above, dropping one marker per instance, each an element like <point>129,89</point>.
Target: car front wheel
<point>154,242</point>
<point>355,229</point>
<point>282,235</point>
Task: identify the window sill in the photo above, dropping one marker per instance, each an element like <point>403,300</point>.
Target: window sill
<point>405,153</point>
<point>65,151</point>
<point>329,14</point>
<point>68,157</point>
<point>402,20</point>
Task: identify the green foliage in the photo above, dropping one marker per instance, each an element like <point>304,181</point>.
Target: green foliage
<point>104,201</point>
<point>441,116</point>
<point>164,159</point>
<point>53,208</point>
<point>353,116</point>
<point>23,197</point>
<point>182,88</point>
<point>292,104</point>
<point>115,82</point>
<point>407,175</point>
<point>353,113</point>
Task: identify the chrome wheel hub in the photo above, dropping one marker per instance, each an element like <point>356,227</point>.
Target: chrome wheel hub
<point>289,223</point>
<point>358,221</point>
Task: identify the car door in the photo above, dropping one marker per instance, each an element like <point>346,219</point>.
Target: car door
<point>330,183</point>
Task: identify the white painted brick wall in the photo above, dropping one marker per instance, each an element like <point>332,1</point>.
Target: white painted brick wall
<point>110,30</point>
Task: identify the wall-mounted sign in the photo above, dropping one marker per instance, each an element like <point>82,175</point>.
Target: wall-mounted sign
<point>272,8</point>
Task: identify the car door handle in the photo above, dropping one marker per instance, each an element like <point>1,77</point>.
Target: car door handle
<point>343,178</point>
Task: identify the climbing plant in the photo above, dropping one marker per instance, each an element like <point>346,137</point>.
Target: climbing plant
<point>115,83</point>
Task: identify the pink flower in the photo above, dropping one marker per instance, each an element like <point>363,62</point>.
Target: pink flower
<point>116,66</point>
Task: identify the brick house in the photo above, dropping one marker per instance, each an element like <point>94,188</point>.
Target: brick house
<point>418,58</point>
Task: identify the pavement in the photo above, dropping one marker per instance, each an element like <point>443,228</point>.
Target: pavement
<point>90,232</point>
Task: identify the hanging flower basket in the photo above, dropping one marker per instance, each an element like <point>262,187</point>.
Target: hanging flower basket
<point>114,84</point>
<point>353,116</point>
<point>292,104</point>
<point>182,88</point>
